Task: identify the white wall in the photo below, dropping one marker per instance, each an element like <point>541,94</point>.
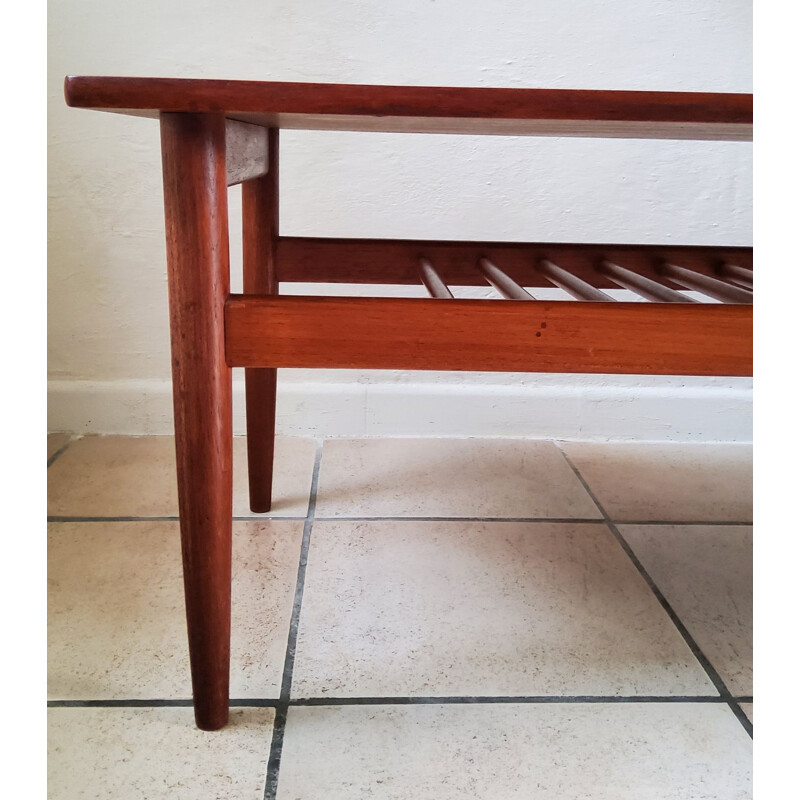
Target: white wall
<point>108,337</point>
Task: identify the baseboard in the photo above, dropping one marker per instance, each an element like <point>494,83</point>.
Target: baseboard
<point>572,408</point>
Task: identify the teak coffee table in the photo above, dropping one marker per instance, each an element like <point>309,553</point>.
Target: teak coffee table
<point>217,133</point>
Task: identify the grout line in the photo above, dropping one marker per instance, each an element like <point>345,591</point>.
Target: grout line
<point>275,750</point>
<point>578,520</point>
<point>265,517</point>
<point>710,671</point>
<point>709,523</point>
<point>570,520</point>
<point>263,702</point>
<point>286,683</point>
<point>282,708</point>
<point>58,453</point>
<point>58,518</point>
<point>738,712</point>
<point>260,518</point>
<point>491,700</point>
<point>156,703</point>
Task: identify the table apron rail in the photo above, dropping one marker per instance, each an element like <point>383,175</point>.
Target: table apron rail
<point>396,261</point>
<point>487,335</point>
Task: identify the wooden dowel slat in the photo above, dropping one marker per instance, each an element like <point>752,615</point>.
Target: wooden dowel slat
<point>571,284</point>
<point>433,283</point>
<point>713,287</point>
<point>645,287</point>
<point>507,287</point>
<point>741,276</point>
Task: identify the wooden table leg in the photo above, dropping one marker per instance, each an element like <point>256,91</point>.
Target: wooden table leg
<point>195,199</point>
<point>259,235</point>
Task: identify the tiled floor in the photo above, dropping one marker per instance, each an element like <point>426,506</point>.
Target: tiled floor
<point>417,618</point>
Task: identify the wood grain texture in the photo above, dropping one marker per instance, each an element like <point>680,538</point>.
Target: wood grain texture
<point>259,233</point>
<point>195,202</point>
<point>548,112</point>
<point>491,335</point>
<point>396,261</point>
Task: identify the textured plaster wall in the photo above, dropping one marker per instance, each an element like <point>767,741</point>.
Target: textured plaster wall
<point>108,335</point>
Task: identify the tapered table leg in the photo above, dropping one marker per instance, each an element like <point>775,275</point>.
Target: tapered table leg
<point>259,234</point>
<point>195,199</point>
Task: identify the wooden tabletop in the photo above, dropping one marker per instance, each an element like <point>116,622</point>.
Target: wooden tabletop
<point>427,109</point>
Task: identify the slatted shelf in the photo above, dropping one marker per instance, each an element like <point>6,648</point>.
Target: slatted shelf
<point>653,279</point>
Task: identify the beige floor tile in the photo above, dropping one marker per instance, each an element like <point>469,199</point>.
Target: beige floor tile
<point>468,608</point>
<point>449,478</point>
<point>116,620</point>
<point>55,441</point>
<point>669,482</point>
<point>542,751</point>
<point>748,710</point>
<point>155,753</point>
<point>706,574</point>
<point>110,476</point>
